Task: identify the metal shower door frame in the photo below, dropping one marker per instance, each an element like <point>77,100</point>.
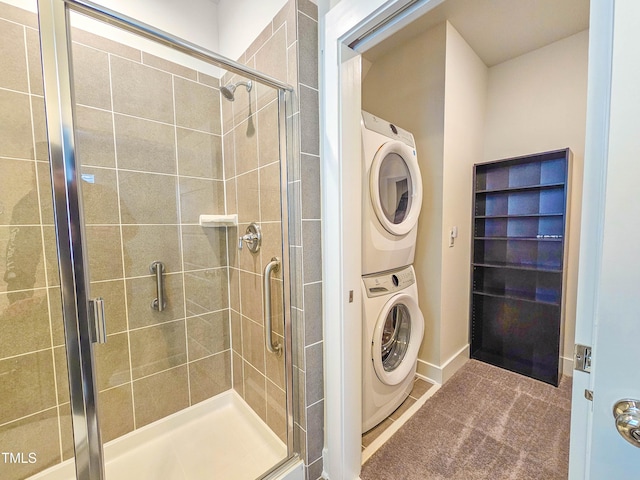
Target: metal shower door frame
<point>55,44</point>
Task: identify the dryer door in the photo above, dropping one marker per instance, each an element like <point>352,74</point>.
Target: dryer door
<point>397,338</point>
<point>396,187</point>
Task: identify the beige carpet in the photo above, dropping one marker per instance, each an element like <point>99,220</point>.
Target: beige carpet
<point>484,423</point>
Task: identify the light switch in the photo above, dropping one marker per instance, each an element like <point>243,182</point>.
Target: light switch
<point>453,234</point>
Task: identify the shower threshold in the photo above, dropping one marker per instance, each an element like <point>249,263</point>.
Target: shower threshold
<point>218,438</point>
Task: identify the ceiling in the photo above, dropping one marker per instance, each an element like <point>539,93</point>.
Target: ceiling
<point>498,30</point>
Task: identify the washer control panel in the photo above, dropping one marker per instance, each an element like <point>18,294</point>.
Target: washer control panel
<point>389,282</point>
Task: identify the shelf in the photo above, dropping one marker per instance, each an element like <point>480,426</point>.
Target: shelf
<point>521,189</point>
<point>517,275</point>
<point>530,201</point>
<point>531,227</point>
<point>544,372</point>
<point>218,220</point>
<point>515,266</point>
<point>507,251</point>
<point>521,215</point>
<point>524,239</point>
<point>532,284</point>
<point>515,297</point>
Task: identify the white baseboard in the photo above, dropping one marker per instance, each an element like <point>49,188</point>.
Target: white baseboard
<point>440,374</point>
<point>566,366</point>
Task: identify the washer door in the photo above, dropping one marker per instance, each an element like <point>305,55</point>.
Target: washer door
<point>396,339</point>
<point>396,187</point>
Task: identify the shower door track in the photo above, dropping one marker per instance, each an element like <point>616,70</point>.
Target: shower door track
<point>80,334</point>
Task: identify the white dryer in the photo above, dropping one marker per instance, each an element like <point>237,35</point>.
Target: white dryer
<point>393,327</point>
<point>392,195</point>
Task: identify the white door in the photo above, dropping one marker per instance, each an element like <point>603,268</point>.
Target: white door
<point>615,374</point>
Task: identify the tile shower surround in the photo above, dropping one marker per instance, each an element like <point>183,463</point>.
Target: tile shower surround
<point>154,363</point>
<point>186,358</point>
<point>287,50</point>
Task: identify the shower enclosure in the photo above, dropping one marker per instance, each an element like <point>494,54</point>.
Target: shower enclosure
<point>144,237</point>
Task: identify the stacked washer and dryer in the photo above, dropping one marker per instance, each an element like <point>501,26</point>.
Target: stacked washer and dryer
<point>393,325</point>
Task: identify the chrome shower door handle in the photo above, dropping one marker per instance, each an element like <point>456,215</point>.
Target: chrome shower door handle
<point>158,303</point>
<point>272,266</point>
<point>96,313</point>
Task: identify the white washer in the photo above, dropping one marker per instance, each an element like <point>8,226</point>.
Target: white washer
<point>393,327</point>
<point>392,196</point>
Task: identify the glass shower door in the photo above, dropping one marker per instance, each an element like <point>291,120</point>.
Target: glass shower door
<point>185,386</point>
<point>35,421</point>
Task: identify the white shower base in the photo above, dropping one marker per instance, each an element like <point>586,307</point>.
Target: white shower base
<point>218,438</point>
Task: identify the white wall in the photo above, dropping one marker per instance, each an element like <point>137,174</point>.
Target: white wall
<point>227,27</point>
<point>465,103</point>
<point>242,21</point>
<point>193,20</point>
<point>535,103</point>
<point>407,87</point>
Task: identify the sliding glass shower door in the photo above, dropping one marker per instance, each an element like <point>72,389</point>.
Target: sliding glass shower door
<point>166,334</point>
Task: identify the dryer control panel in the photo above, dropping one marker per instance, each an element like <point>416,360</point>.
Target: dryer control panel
<point>389,282</point>
<point>387,129</point>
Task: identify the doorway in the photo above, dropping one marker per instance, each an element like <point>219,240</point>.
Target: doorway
<point>388,93</point>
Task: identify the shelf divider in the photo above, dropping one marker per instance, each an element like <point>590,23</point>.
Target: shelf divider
<point>521,188</point>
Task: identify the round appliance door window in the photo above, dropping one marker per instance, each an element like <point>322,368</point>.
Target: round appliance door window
<point>396,333</point>
<point>396,187</point>
<point>396,339</point>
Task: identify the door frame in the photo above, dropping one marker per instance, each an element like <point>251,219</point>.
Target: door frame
<point>592,224</point>
<point>346,22</point>
<point>80,331</point>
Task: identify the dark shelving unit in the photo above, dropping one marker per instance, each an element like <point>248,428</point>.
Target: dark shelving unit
<point>518,260</point>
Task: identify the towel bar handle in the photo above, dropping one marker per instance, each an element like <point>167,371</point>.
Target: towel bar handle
<point>159,303</point>
<point>272,266</point>
<point>99,326</point>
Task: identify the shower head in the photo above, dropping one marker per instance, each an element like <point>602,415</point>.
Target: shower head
<point>229,90</point>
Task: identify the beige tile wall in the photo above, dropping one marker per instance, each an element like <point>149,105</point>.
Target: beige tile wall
<point>29,417</point>
<point>150,142</point>
<point>308,251</point>
<point>156,363</point>
<point>251,144</point>
<point>287,50</point>
<point>151,155</point>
